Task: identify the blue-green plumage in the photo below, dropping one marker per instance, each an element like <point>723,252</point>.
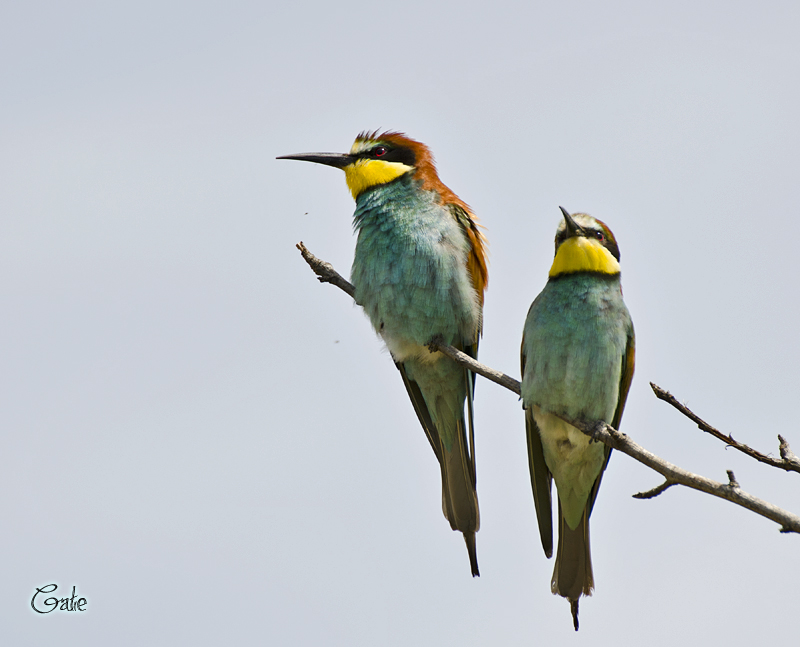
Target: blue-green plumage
<point>577,332</point>
<point>410,269</point>
<point>577,361</point>
<point>410,273</point>
<point>419,272</point>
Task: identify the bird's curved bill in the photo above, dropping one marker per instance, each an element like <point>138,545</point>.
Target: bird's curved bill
<point>573,228</point>
<point>339,160</point>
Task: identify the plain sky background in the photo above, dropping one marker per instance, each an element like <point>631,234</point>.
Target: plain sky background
<point>216,449</point>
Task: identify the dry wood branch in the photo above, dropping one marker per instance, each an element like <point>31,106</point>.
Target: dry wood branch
<point>788,461</point>
<point>602,432</point>
<point>475,366</point>
<point>786,452</point>
<point>655,491</point>
<point>325,272</point>
<point>730,491</point>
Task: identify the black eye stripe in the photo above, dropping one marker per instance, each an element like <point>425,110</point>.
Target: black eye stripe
<point>603,236</point>
<point>389,153</point>
<point>376,151</point>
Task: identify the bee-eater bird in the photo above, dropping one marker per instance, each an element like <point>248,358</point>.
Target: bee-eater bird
<point>420,271</point>
<point>577,360</point>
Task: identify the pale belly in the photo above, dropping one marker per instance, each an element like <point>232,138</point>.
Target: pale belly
<point>573,460</point>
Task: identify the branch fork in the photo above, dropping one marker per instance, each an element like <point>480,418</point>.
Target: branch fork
<point>602,432</point>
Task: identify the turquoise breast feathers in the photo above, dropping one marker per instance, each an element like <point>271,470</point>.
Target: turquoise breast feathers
<point>410,269</point>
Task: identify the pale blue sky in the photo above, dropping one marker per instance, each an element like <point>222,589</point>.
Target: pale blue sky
<point>215,449</point>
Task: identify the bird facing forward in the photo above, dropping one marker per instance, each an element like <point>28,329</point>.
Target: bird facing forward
<point>577,360</point>
<point>420,272</point>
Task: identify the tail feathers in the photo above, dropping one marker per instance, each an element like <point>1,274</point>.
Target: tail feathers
<point>459,497</point>
<point>469,539</point>
<point>572,576</point>
<point>438,392</point>
<point>573,606</point>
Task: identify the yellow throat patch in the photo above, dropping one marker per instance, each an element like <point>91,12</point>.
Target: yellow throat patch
<point>581,254</point>
<point>364,173</point>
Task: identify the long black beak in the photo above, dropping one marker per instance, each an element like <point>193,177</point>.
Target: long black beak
<point>573,228</point>
<point>339,160</point>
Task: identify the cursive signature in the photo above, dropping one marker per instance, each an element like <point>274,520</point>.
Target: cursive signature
<point>67,604</point>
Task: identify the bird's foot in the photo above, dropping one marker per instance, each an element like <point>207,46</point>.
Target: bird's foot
<point>433,344</point>
<point>599,427</point>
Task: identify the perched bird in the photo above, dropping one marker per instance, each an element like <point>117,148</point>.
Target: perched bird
<point>577,360</point>
<point>419,272</point>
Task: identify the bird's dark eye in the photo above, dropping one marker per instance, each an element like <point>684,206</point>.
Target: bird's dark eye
<point>380,151</point>
<point>600,236</point>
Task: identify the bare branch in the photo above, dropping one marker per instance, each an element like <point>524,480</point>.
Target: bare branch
<point>600,431</point>
<point>325,272</point>
<point>655,491</point>
<point>730,491</point>
<point>786,452</point>
<point>475,366</point>
<point>788,461</point>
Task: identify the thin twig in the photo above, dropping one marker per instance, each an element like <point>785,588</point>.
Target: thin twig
<point>603,432</point>
<point>786,452</point>
<point>788,461</point>
<point>730,491</point>
<point>475,366</point>
<point>655,491</point>
<point>325,272</point>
